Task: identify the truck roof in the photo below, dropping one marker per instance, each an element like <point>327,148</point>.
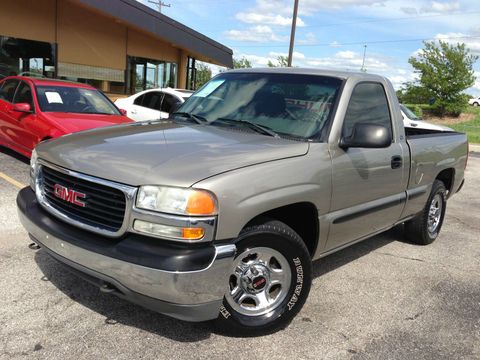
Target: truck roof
<point>311,71</point>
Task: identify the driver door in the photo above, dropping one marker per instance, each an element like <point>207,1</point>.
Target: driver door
<point>368,185</point>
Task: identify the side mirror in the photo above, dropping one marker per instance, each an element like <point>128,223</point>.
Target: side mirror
<point>123,112</point>
<point>22,107</point>
<point>367,136</point>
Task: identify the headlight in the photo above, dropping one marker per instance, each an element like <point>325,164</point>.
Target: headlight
<point>176,200</point>
<point>33,168</point>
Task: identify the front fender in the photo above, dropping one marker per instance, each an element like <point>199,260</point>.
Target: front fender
<point>245,193</point>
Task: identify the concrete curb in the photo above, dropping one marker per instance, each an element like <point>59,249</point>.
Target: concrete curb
<point>474,148</point>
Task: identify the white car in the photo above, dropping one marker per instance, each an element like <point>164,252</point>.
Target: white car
<point>474,101</point>
<point>153,104</point>
<point>410,120</point>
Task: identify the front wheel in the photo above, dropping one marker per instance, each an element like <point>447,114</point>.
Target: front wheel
<point>269,281</point>
<point>425,227</point>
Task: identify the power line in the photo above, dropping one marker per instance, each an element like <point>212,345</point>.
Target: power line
<point>388,19</point>
<point>360,42</point>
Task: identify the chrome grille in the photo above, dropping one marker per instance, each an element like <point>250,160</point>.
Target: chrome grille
<point>105,206</point>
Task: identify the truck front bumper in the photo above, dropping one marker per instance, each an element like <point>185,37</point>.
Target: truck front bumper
<point>184,282</point>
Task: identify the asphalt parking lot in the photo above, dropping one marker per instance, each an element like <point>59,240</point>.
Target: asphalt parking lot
<point>380,299</point>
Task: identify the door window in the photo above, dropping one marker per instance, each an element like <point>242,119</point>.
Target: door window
<point>368,105</point>
<point>170,103</point>
<point>152,100</point>
<point>139,100</point>
<point>8,90</point>
<point>24,95</point>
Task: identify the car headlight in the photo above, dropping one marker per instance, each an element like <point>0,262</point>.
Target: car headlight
<point>33,168</point>
<point>179,201</point>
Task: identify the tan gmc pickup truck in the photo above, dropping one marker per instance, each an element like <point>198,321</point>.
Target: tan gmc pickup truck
<point>218,213</point>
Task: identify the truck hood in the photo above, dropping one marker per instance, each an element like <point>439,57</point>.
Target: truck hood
<point>73,122</point>
<point>164,153</point>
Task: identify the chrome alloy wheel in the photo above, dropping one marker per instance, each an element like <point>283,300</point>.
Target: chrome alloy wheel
<point>260,281</point>
<point>434,213</point>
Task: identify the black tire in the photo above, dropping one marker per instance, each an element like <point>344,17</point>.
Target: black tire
<point>417,229</point>
<point>282,239</point>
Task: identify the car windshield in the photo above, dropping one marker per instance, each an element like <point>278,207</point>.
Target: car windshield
<point>69,99</point>
<point>409,113</point>
<point>291,105</point>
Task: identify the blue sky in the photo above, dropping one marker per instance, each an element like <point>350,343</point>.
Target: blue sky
<point>333,33</point>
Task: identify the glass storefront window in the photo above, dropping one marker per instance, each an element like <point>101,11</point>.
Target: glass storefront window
<point>191,73</point>
<point>149,74</point>
<point>26,57</point>
<point>139,77</point>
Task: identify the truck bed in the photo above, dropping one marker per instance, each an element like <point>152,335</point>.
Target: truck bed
<point>432,152</point>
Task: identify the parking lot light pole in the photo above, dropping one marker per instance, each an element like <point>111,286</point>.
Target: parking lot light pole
<point>292,34</point>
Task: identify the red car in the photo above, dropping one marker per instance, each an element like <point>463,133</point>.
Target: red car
<point>35,109</point>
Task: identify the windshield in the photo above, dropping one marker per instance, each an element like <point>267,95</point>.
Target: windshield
<point>74,100</point>
<point>409,113</point>
<point>286,104</point>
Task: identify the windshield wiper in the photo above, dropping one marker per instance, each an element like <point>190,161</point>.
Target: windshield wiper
<point>197,118</point>
<point>262,129</point>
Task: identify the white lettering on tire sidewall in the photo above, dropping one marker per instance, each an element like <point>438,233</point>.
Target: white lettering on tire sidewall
<point>298,284</point>
<point>225,313</point>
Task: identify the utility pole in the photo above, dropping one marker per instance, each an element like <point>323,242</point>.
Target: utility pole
<point>292,34</point>
<point>363,69</point>
<point>159,3</point>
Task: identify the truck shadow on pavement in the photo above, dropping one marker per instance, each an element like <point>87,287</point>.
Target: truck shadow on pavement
<point>118,311</point>
<point>14,155</point>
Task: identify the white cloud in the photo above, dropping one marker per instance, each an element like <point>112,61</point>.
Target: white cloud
<point>309,7</point>
<point>409,10</point>
<point>259,33</point>
<point>432,7</point>
<point>309,39</point>
<point>335,44</point>
<point>267,19</point>
<point>471,41</point>
<point>442,7</point>
<point>267,13</point>
<point>476,86</point>
<point>296,55</point>
<point>346,55</point>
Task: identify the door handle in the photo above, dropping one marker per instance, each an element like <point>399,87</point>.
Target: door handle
<point>396,162</point>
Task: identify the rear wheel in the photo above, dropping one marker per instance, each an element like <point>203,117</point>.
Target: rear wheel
<point>269,281</point>
<point>425,227</point>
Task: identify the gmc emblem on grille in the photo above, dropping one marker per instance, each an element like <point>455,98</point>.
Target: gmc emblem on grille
<point>69,195</point>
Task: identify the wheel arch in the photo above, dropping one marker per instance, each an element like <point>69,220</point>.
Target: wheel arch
<point>302,217</point>
<point>447,176</point>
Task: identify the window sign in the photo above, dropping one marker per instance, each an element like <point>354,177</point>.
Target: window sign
<point>53,97</point>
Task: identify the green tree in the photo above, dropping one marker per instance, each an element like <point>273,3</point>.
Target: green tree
<point>282,61</point>
<point>445,71</point>
<point>202,75</point>
<point>412,93</point>
<point>241,63</point>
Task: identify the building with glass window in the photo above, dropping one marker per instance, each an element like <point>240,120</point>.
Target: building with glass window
<point>118,46</point>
